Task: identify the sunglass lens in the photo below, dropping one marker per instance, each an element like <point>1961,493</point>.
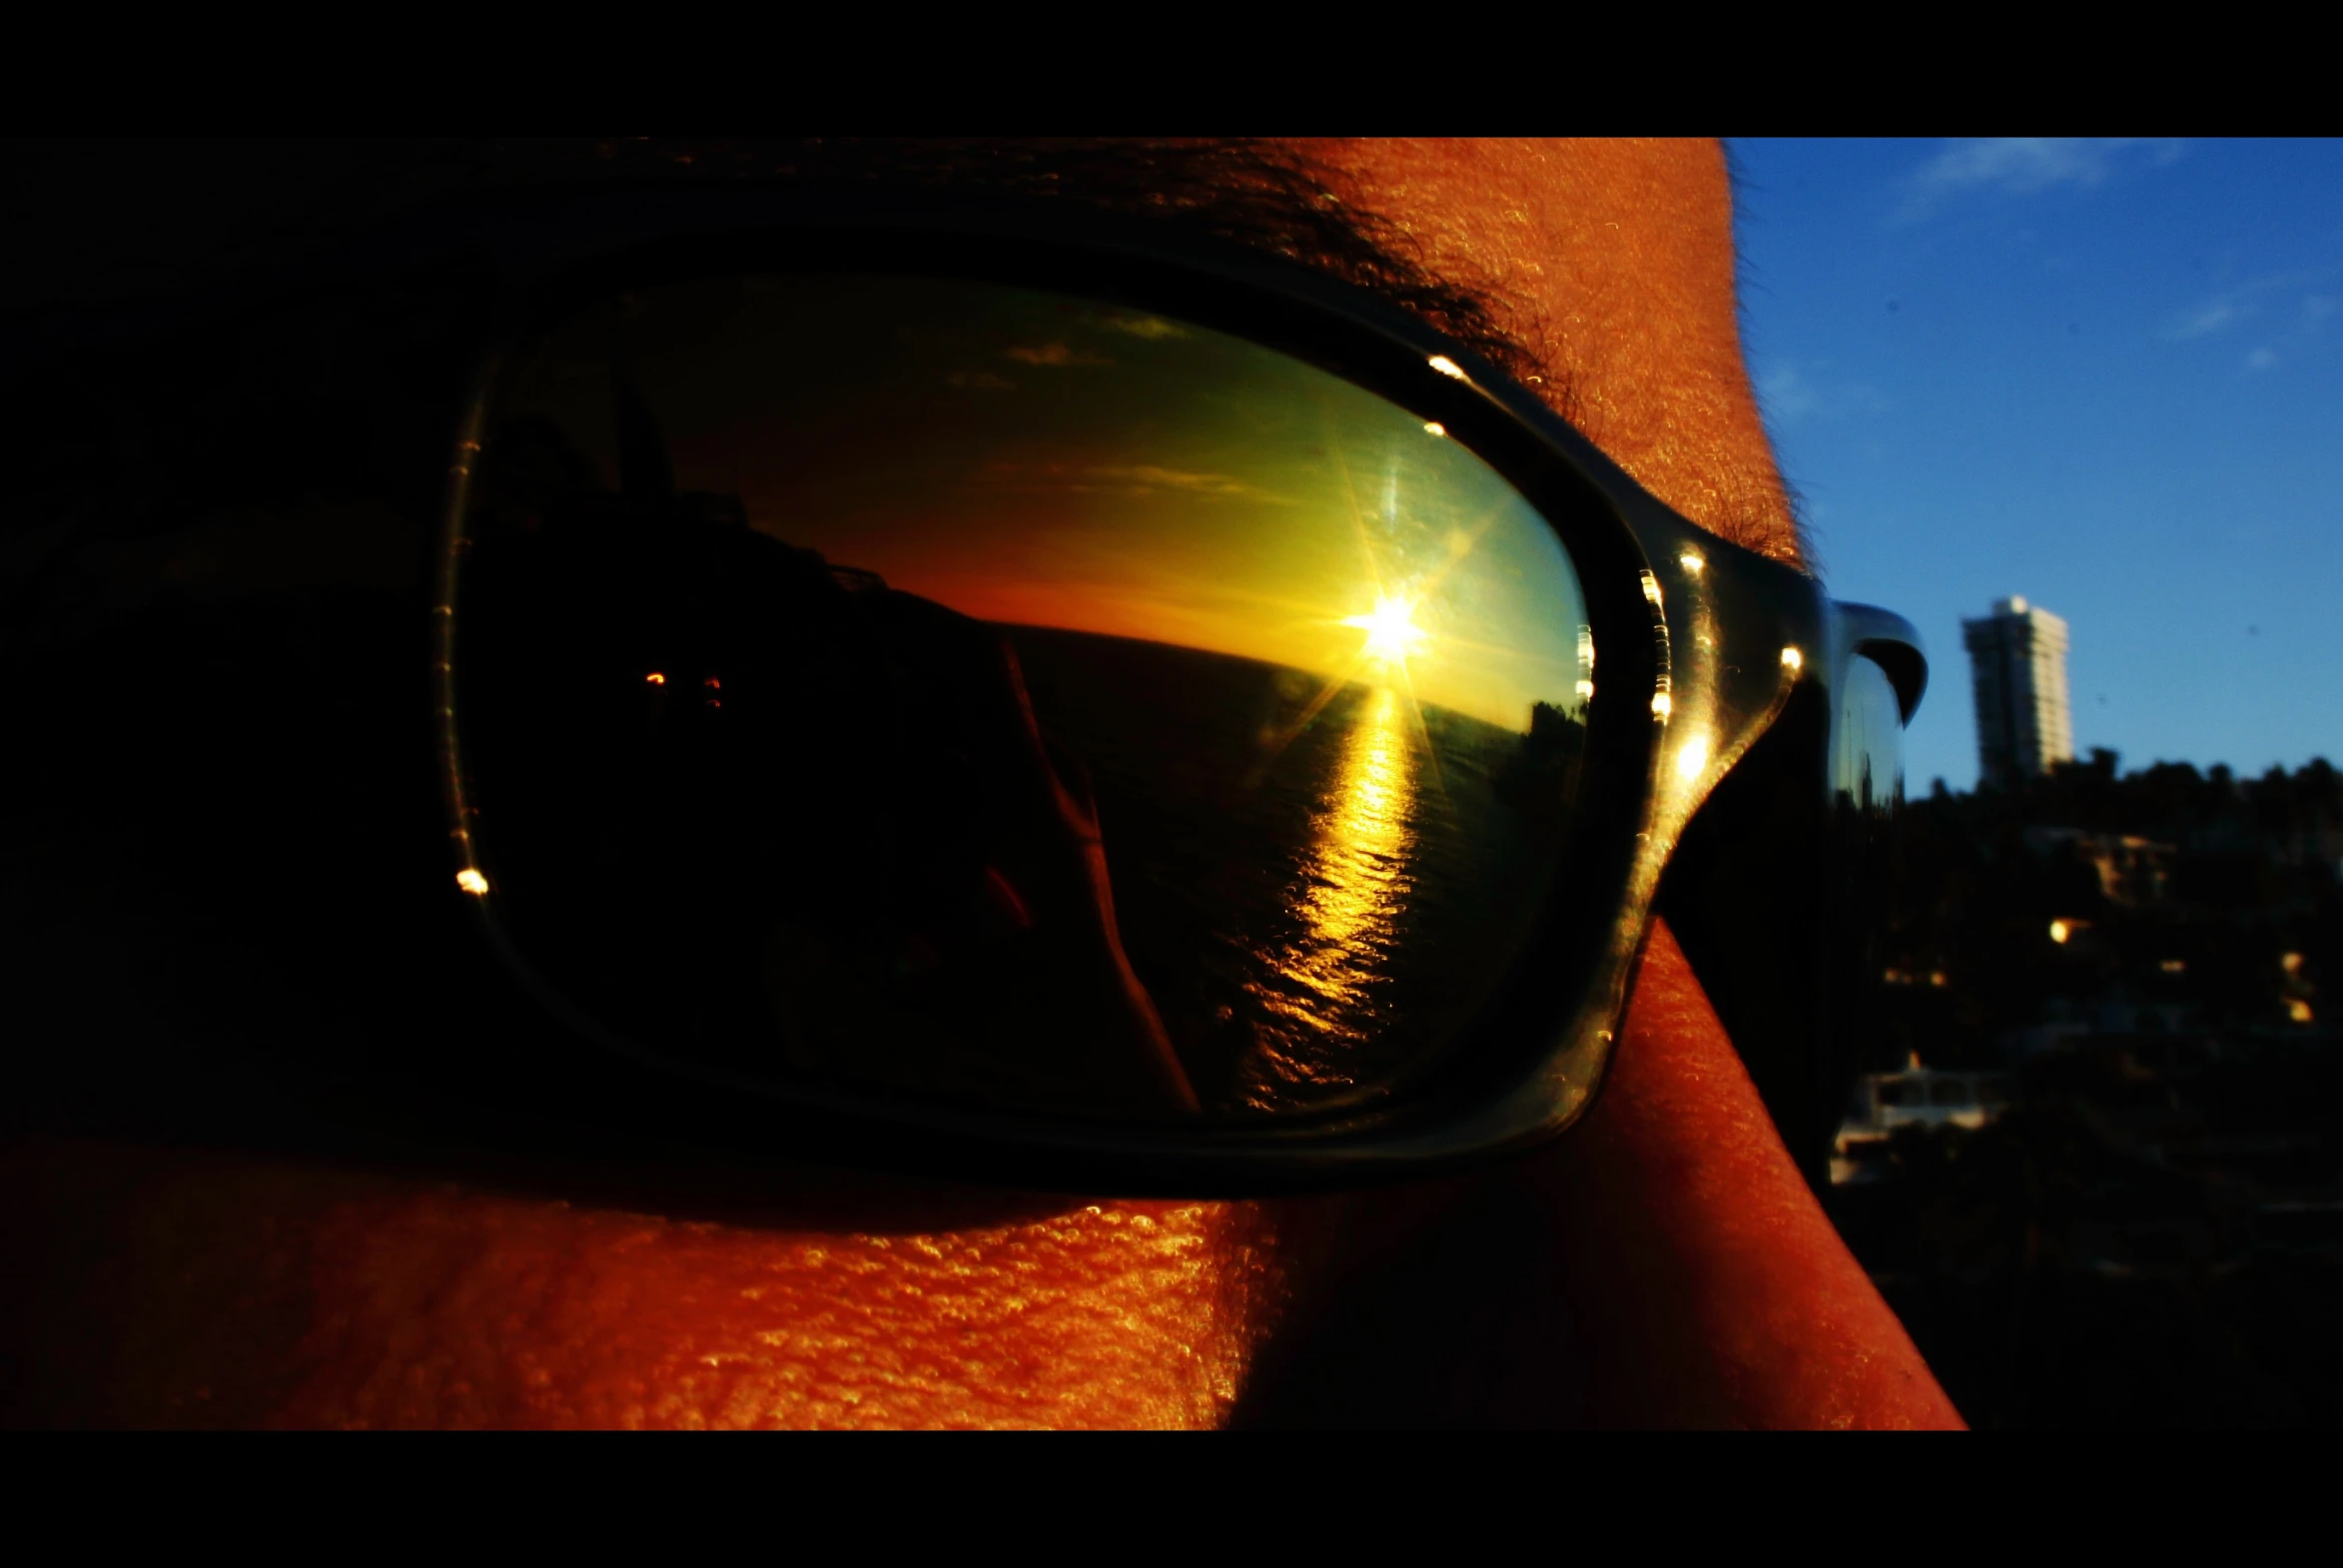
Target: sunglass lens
<point>997,696</point>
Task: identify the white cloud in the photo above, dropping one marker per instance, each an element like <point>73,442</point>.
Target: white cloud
<point>2232,306</point>
<point>1785,394</point>
<point>2208,319</point>
<point>1790,397</point>
<point>1149,327</point>
<point>1148,476</point>
<point>1119,478</point>
<point>1055,355</point>
<point>2261,358</point>
<point>2022,165</point>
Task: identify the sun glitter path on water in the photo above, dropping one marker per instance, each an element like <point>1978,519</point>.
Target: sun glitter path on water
<point>1392,633</point>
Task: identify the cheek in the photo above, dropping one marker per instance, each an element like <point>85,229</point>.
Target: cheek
<point>247,1295</point>
<point>445,1311</point>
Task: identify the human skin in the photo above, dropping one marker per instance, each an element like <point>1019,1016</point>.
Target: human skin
<point>1662,1265</point>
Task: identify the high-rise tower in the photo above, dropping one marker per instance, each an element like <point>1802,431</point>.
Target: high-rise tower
<point>2018,658</point>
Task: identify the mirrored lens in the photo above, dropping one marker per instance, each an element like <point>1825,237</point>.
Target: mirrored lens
<point>1866,744</point>
<point>1000,696</point>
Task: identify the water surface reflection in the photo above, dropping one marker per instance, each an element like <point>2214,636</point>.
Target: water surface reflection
<point>1323,992</point>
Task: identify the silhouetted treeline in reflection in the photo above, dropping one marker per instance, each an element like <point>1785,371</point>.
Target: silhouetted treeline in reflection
<point>1544,766</point>
<point>761,810</point>
<point>771,814</point>
<point>2153,1233</point>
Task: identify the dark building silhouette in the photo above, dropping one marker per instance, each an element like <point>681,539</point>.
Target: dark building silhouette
<point>2018,660</point>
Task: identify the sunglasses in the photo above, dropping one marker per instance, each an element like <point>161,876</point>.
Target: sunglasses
<point>991,688</point>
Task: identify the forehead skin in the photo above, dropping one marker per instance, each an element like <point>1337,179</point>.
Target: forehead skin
<point>1612,261</point>
<point>1669,1239</point>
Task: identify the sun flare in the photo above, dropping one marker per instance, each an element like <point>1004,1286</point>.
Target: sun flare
<point>1392,633</point>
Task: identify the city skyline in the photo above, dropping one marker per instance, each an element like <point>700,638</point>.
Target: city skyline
<point>2106,376</point>
<point>2018,679</point>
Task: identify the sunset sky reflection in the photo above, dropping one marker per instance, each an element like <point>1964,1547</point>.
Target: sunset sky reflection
<point>1088,468</point>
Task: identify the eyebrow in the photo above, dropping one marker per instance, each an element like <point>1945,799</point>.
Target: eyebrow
<point>1245,191</point>
<point>182,290</point>
<point>184,215</point>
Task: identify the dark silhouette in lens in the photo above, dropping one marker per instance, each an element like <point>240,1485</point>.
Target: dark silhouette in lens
<point>757,807</point>
<point>766,812</point>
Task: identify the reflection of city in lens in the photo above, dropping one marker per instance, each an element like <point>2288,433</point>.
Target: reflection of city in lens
<point>1352,892</point>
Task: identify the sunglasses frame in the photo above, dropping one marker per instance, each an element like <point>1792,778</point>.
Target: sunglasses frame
<point>1701,646</point>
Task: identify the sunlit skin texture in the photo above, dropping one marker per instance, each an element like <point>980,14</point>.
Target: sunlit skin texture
<point>222,1291</point>
<point>1613,262</point>
<point>1664,1264</point>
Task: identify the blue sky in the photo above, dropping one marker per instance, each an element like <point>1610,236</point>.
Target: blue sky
<point>2107,375</point>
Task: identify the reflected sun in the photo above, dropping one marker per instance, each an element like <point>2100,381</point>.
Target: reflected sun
<point>1392,633</point>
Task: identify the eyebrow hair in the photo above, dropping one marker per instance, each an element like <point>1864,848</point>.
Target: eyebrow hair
<point>183,216</point>
<point>1243,191</point>
<point>152,235</point>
